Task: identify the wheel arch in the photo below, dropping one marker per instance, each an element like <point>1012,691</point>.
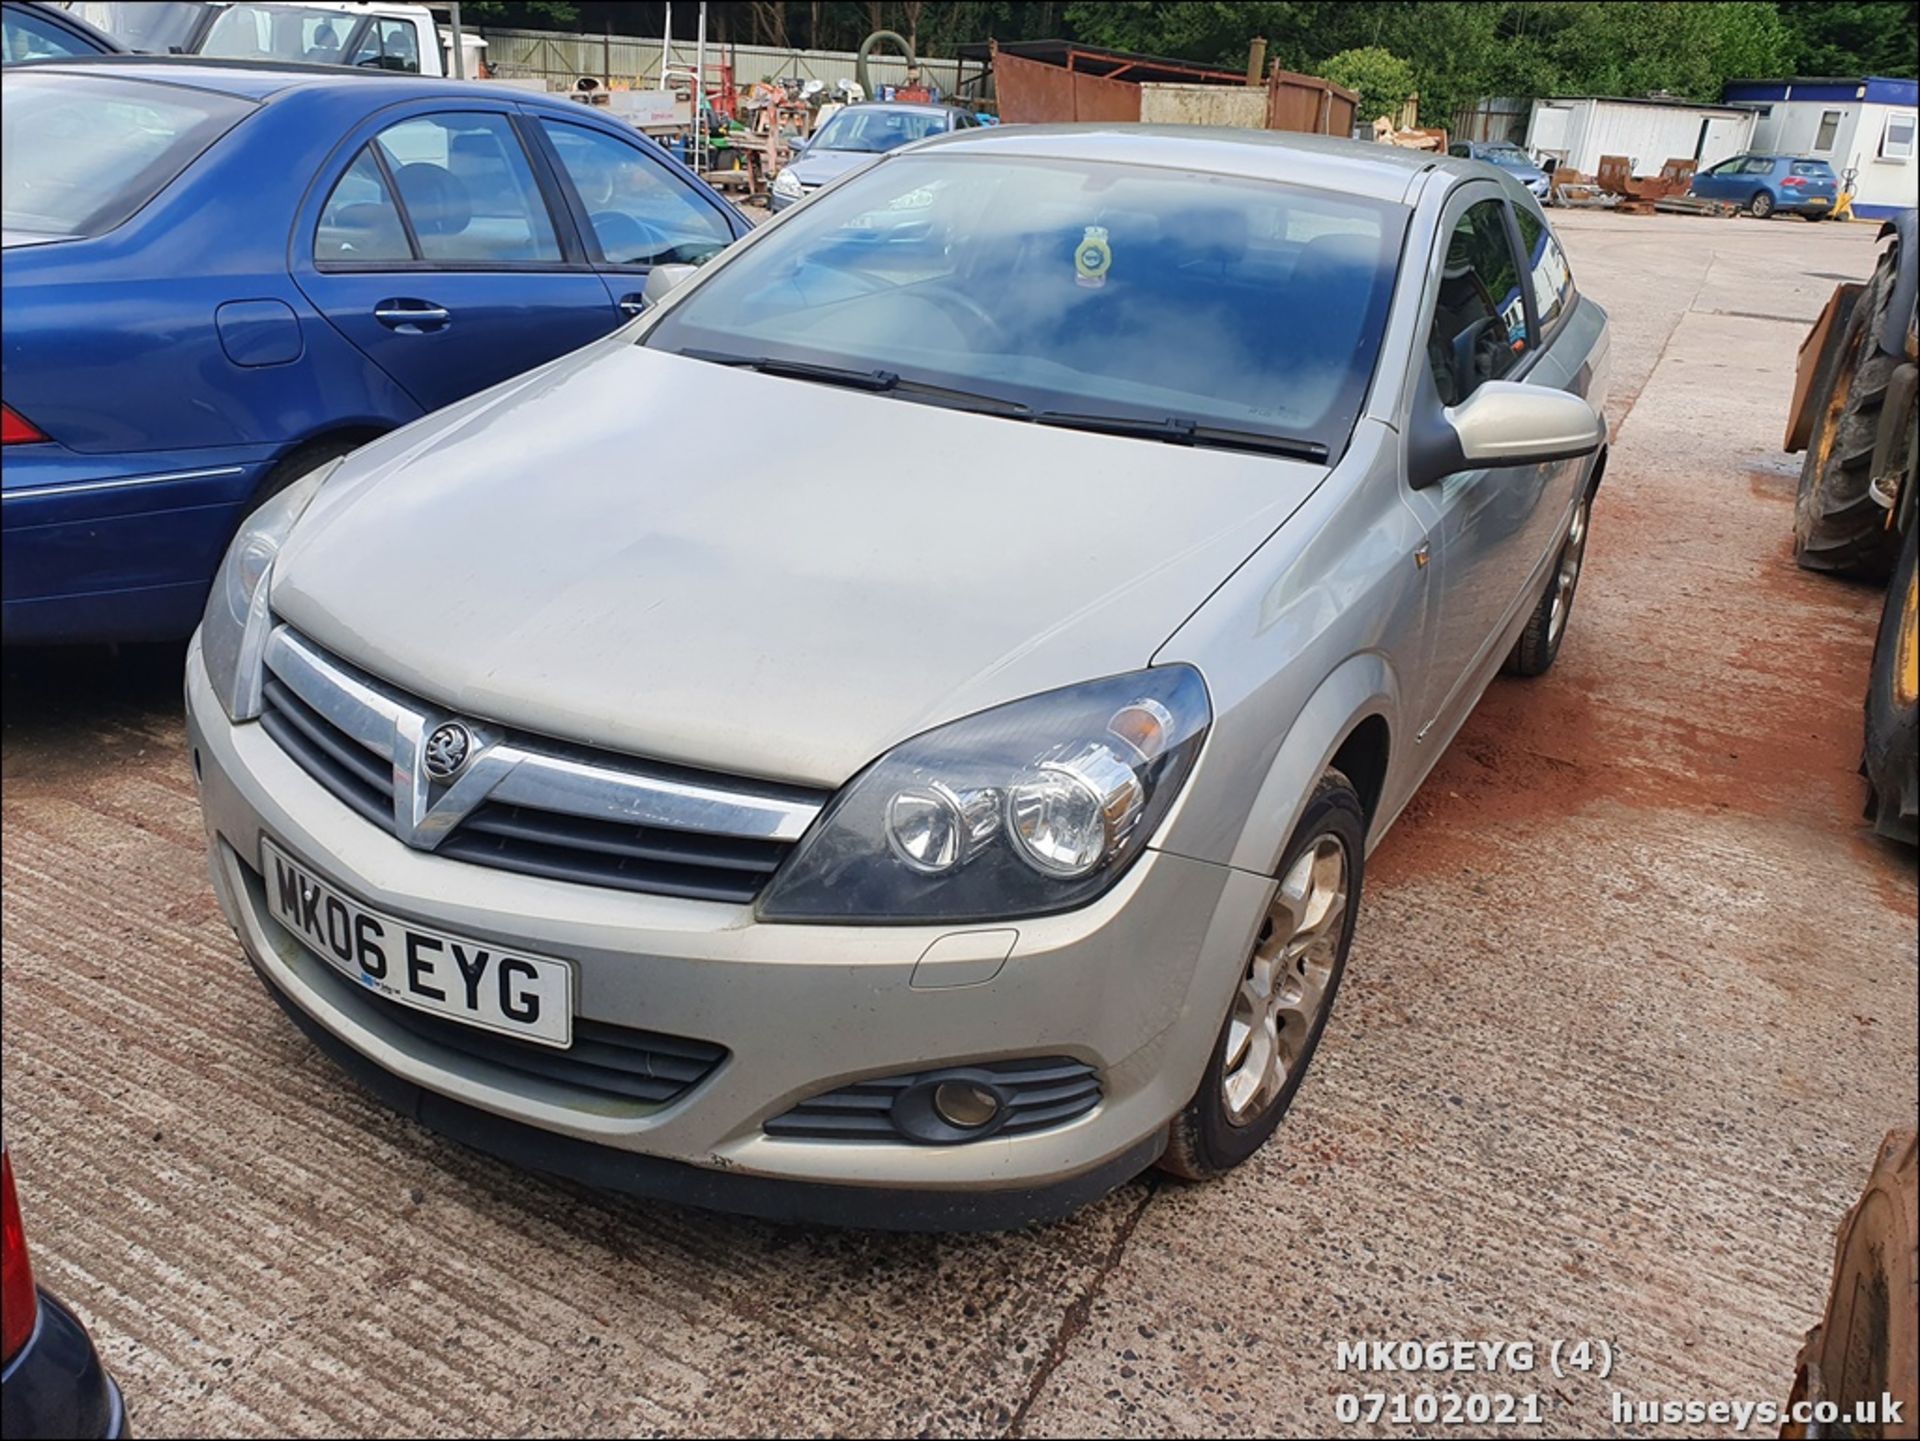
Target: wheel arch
<point>1352,716</point>
<point>333,439</point>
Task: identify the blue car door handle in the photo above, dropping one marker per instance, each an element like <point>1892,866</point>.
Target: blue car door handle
<point>411,317</point>
<point>632,304</point>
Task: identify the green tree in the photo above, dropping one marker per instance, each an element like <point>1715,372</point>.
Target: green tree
<point>1382,79</point>
<point>555,13</point>
<point>1832,37</point>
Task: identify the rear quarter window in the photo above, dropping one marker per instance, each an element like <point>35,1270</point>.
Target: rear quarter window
<point>81,153</point>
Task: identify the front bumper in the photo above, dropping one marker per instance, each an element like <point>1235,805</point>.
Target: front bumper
<point>1134,985</point>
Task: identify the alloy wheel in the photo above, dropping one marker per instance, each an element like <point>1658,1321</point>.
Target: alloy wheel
<point>1285,989</point>
<point>1567,576</point>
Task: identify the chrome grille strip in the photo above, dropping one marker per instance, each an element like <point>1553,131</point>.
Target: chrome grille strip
<point>379,719</point>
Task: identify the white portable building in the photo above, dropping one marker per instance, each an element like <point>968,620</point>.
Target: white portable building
<point>1649,132</point>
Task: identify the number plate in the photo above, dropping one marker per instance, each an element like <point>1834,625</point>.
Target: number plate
<point>474,982</point>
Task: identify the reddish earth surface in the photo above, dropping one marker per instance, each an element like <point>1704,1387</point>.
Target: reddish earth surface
<point>1632,1001</point>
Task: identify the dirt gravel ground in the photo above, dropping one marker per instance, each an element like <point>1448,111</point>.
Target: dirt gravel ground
<point>1633,1000</point>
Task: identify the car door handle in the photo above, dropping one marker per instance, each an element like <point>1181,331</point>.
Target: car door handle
<point>415,314</point>
<point>632,303</point>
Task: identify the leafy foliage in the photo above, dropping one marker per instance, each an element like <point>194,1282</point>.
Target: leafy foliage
<point>1382,79</point>
<point>1458,50</point>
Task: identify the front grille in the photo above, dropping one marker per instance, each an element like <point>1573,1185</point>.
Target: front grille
<point>571,836</point>
<point>1041,1091</point>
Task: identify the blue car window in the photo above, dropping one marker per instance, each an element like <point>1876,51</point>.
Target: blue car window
<point>641,213</point>
<point>469,191</point>
<point>1552,283</point>
<point>84,152</point>
<point>25,36</point>
<point>360,223</point>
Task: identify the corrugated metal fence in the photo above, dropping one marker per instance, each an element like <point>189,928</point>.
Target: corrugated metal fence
<point>561,58</point>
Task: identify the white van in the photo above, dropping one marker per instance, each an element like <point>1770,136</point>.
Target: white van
<point>376,36</point>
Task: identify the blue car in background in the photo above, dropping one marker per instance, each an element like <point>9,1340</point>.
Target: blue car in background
<point>1509,157</point>
<point>220,276</point>
<point>1763,184</point>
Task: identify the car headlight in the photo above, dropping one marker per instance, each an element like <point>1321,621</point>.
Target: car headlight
<point>788,184</point>
<point>233,632</point>
<point>1031,807</point>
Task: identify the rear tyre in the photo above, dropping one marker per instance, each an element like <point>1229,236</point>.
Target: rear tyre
<point>1891,762</point>
<point>1285,994</point>
<point>1837,525</point>
<point>1539,644</point>
<point>1761,206</point>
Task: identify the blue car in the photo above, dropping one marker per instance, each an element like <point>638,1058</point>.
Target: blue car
<point>1765,184</point>
<point>1510,158</point>
<point>221,276</point>
<point>53,1383</point>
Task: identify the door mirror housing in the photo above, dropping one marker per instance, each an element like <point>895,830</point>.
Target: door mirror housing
<point>663,278</point>
<point>1503,423</point>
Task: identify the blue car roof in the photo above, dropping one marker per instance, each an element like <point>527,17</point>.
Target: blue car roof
<point>264,79</point>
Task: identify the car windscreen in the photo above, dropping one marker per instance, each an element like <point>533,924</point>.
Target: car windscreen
<point>1814,169</point>
<point>1088,289</point>
<point>876,130</point>
<point>1508,157</point>
<point>80,153</point>
<point>152,27</point>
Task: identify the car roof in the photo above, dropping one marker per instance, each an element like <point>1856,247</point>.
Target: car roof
<point>263,79</point>
<point>930,107</point>
<point>1382,172</point>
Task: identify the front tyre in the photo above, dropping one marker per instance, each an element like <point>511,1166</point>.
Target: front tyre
<point>1285,994</point>
<point>1838,527</point>
<point>1891,758</point>
<point>1761,206</point>
<point>1539,644</point>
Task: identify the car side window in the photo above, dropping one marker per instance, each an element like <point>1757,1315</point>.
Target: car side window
<point>360,222</point>
<point>469,191</point>
<point>389,45</point>
<point>27,37</point>
<point>1479,319</point>
<point>641,213</point>
<point>1552,282</point>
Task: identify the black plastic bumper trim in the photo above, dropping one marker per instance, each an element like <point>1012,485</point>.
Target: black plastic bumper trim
<point>770,1199</point>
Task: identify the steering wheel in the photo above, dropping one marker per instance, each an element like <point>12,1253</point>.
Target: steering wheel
<point>965,305</point>
<point>623,238</point>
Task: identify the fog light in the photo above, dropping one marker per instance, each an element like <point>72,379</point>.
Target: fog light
<point>965,1104</point>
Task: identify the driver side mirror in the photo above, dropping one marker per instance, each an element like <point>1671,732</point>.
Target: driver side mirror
<point>663,278</point>
<point>797,143</point>
<point>1503,423</point>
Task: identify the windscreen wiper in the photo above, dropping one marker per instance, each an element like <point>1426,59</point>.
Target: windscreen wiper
<point>1177,430</point>
<point>852,378</point>
<point>887,381</point>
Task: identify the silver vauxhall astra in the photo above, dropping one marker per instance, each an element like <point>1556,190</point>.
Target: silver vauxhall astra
<point>892,736</point>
